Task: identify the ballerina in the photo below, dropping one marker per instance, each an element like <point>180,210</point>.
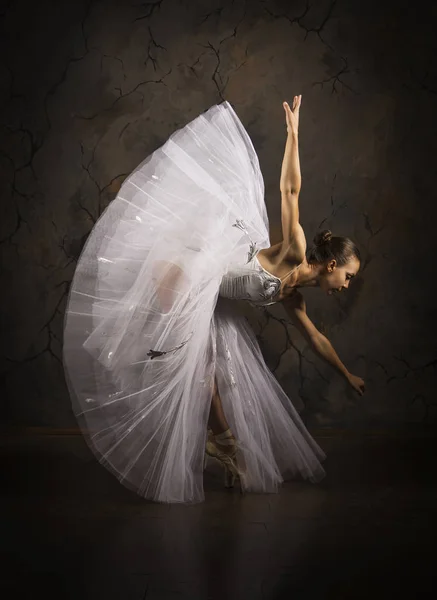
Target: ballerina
<point>159,362</point>
<point>330,265</point>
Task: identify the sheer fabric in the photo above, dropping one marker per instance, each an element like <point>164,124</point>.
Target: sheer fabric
<point>146,332</point>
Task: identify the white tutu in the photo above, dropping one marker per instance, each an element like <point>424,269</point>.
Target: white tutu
<point>145,336</point>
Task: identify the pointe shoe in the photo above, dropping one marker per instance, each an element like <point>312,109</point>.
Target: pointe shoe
<point>225,457</point>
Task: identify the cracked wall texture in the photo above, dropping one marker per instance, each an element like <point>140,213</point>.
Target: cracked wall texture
<point>90,88</point>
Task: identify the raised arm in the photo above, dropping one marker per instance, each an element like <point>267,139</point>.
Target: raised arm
<point>296,310</point>
<point>294,244</point>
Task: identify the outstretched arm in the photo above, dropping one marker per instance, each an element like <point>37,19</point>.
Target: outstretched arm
<point>290,172</point>
<point>296,309</point>
<point>294,244</point>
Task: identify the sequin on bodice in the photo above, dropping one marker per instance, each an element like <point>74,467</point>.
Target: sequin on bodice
<point>251,282</point>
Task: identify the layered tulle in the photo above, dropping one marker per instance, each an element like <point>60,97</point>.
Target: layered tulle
<point>145,336</point>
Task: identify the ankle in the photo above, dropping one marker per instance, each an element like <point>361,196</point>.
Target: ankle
<point>225,440</point>
<point>219,430</point>
<point>223,436</point>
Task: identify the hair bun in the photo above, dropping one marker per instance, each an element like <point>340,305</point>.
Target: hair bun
<point>322,237</point>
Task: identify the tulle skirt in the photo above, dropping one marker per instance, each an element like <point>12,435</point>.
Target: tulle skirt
<point>146,333</point>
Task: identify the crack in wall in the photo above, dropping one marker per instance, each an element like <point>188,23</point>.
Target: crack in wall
<point>150,8</point>
<point>335,210</point>
<point>216,75</point>
<point>337,78</point>
<point>297,20</point>
<point>289,345</point>
<point>153,44</point>
<point>124,95</point>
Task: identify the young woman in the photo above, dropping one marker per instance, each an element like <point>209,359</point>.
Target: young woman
<point>155,349</point>
<point>331,265</point>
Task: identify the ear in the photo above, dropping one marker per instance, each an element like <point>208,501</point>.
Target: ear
<point>332,265</point>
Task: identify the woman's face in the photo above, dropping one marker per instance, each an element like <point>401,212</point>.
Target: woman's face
<point>335,279</point>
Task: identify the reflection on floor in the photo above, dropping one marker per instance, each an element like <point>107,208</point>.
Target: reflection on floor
<point>70,530</point>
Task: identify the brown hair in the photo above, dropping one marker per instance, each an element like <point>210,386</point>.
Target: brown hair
<point>328,247</point>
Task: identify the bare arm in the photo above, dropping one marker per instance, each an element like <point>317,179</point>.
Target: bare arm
<point>291,179</point>
<point>296,309</point>
<point>294,244</point>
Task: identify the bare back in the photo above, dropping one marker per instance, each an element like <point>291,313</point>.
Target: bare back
<point>280,259</point>
<point>287,273</point>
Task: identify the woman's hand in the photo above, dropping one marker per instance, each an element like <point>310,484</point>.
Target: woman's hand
<point>292,114</point>
<point>357,383</point>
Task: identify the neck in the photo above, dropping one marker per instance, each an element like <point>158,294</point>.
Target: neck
<point>308,275</point>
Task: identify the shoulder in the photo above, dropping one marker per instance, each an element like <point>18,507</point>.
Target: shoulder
<point>281,259</point>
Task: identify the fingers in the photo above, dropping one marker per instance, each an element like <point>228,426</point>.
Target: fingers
<point>359,387</point>
<point>297,100</point>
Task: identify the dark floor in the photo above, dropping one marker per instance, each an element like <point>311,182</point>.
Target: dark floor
<point>70,530</point>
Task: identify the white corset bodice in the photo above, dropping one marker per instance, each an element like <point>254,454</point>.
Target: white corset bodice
<point>252,283</point>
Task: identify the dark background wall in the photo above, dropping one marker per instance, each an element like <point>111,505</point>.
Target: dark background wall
<point>89,89</point>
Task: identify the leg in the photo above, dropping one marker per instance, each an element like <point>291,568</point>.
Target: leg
<point>217,423</point>
<point>217,420</point>
<point>221,443</point>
